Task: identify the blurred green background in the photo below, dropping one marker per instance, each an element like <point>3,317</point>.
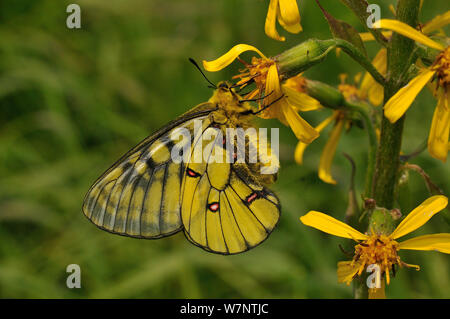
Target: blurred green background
<point>73,101</point>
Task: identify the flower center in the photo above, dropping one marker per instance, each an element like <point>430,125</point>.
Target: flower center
<point>256,72</point>
<point>378,249</point>
<point>297,83</point>
<point>442,68</point>
<point>349,91</point>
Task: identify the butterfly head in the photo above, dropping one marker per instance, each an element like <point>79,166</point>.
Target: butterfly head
<point>225,97</point>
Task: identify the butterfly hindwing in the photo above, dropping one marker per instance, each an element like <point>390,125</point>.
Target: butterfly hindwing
<point>139,195</point>
<point>223,209</point>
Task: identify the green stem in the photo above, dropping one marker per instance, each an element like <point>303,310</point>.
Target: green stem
<point>388,153</point>
<point>303,56</point>
<point>356,54</point>
<point>332,98</point>
<point>373,143</point>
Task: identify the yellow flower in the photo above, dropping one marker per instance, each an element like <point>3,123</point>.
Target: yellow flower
<point>381,249</point>
<point>396,107</point>
<point>295,91</point>
<point>371,89</point>
<point>287,14</point>
<point>350,92</point>
<point>264,73</point>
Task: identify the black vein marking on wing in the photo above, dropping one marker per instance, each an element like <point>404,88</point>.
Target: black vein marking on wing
<point>192,201</point>
<point>206,216</point>
<point>164,180</point>
<point>136,183</point>
<point>92,212</point>
<point>248,207</point>
<point>221,227</point>
<point>144,198</point>
<point>130,173</point>
<point>237,224</point>
<point>105,206</point>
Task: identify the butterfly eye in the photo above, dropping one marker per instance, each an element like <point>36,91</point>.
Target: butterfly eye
<point>223,86</point>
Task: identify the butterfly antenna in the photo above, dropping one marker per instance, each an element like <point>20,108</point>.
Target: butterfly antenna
<point>256,99</point>
<point>212,85</point>
<point>268,105</point>
<point>264,107</point>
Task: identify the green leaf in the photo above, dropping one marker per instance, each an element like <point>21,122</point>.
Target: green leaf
<point>343,30</point>
<point>359,7</point>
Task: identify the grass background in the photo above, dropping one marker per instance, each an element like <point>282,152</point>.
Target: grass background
<point>73,101</point>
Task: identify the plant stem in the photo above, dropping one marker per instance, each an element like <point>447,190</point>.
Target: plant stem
<point>388,153</point>
<point>306,54</point>
<point>372,144</point>
<point>332,98</point>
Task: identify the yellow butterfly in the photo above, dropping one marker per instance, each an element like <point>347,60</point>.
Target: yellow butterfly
<point>222,207</point>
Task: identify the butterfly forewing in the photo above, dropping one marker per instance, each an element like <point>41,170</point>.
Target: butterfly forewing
<point>139,195</point>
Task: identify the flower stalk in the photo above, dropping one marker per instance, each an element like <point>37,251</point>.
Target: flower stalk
<point>313,51</point>
<point>388,153</point>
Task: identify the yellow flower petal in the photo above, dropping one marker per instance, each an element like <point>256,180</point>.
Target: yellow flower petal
<point>408,32</point>
<point>301,101</point>
<point>300,149</point>
<point>436,23</point>
<point>271,18</point>
<point>440,128</point>
<point>394,12</point>
<point>302,130</point>
<point>229,57</point>
<point>273,92</point>
<point>291,28</point>
<point>346,270</point>
<point>331,225</point>
<point>326,159</point>
<point>369,87</point>
<point>376,94</point>
<point>289,12</point>
<point>377,293</point>
<point>402,100</point>
<point>439,242</point>
<point>420,215</point>
<point>368,36</point>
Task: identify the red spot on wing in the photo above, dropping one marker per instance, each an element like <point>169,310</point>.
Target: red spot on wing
<point>192,173</point>
<point>214,207</point>
<point>250,198</point>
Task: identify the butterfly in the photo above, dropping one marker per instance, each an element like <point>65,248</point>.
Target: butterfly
<point>223,207</point>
